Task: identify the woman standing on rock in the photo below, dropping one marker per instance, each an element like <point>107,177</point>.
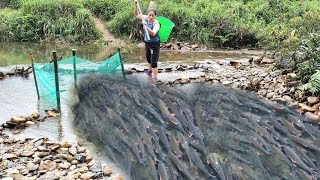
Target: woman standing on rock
<point>152,44</point>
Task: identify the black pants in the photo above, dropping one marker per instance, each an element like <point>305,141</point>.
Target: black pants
<point>152,53</point>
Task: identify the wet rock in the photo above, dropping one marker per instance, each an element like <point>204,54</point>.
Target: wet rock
<point>2,76</point>
<point>35,115</point>
<point>80,158</point>
<point>18,119</point>
<point>29,123</point>
<point>107,171</point>
<point>52,114</point>
<point>313,100</point>
<point>307,108</point>
<point>118,177</point>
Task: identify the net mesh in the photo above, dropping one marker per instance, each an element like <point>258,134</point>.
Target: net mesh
<point>68,70</point>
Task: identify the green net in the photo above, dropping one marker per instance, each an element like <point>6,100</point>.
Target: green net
<point>69,70</point>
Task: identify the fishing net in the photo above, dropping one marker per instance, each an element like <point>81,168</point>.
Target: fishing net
<point>69,70</point>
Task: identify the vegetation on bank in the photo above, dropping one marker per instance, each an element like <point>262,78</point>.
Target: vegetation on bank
<point>49,20</point>
<point>289,28</point>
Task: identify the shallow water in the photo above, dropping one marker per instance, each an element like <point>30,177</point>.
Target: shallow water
<point>18,53</point>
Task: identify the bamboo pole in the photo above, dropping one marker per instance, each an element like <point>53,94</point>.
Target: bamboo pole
<point>55,63</point>
<point>74,67</point>
<point>122,67</point>
<point>34,75</point>
<point>144,26</point>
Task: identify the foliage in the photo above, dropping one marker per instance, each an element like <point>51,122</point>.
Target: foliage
<point>313,85</point>
<point>105,9</point>
<point>307,56</point>
<point>62,20</point>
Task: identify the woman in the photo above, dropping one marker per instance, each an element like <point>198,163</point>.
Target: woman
<point>152,46</point>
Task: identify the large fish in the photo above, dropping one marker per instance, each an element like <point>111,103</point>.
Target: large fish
<point>180,165</point>
<point>213,160</point>
<point>163,175</point>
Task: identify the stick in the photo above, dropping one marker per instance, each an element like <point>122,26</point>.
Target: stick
<point>144,26</point>
<point>34,75</point>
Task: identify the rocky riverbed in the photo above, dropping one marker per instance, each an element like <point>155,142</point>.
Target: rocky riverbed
<point>43,159</point>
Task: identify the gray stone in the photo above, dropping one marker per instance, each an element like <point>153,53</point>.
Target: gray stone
<point>270,95</point>
<point>9,156</point>
<point>32,167</point>
<point>81,150</point>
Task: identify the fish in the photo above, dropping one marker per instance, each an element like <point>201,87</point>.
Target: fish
<point>136,151</point>
<point>198,162</point>
<point>293,156</point>
<point>164,139</point>
<point>180,165</point>
<point>257,107</point>
<point>154,113</point>
<point>185,144</point>
<point>212,160</point>
<point>303,142</point>
<point>135,97</point>
<point>171,169</point>
<point>147,141</point>
<point>174,145</point>
<point>163,175</point>
<point>152,166</point>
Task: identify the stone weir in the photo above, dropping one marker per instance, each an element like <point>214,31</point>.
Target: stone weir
<point>195,131</point>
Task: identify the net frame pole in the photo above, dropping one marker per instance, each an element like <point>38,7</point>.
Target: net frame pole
<point>74,67</point>
<point>121,62</point>
<point>34,75</point>
<point>56,75</point>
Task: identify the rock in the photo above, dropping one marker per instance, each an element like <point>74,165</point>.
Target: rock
<point>313,100</point>
<point>81,150</point>
<point>267,61</point>
<point>304,107</point>
<point>9,156</point>
<point>35,115</point>
<point>80,158</point>
<point>74,162</point>
<point>73,150</point>
<point>18,119</point>
<point>32,167</point>
<point>29,123</point>
<point>88,158</point>
<point>107,171</point>
<point>291,76</point>
<point>53,114</point>
<point>48,165</point>
<point>55,147</point>
<point>194,46</point>
<point>118,177</point>
<point>2,76</point>
<point>141,45</point>
<point>87,175</point>
<point>42,148</point>
<point>226,82</point>
<point>64,165</point>
<point>27,153</point>
<point>270,95</point>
